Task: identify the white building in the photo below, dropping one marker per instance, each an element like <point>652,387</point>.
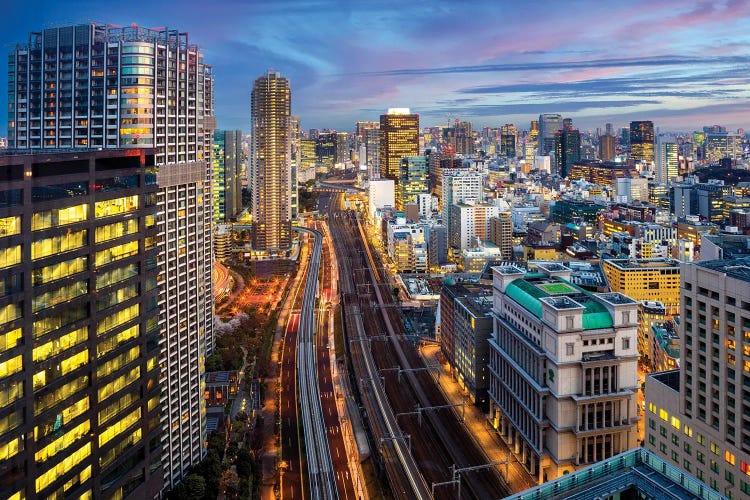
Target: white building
<point>381,193</point>
<point>563,370</point>
<point>424,201</point>
<point>459,187</point>
<point>469,222</point>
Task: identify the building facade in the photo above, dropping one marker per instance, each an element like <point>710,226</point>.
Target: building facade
<point>270,159</point>
<point>101,86</point>
<point>646,279</point>
<point>563,370</point>
<point>399,138</point>
<point>227,170</point>
<point>80,335</point>
<point>412,179</point>
<point>642,141</point>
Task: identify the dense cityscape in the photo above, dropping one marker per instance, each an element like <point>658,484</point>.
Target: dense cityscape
<point>401,308</point>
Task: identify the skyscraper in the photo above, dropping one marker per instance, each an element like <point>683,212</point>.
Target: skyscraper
<point>508,138</point>
<point>399,138</point>
<point>667,161</point>
<point>567,150</point>
<point>532,143</point>
<point>412,178</point>
<point>102,86</point>
<point>642,141</point>
<point>227,168</point>
<point>548,125</point>
<point>270,157</point>
<point>79,326</point>
<point>607,147</point>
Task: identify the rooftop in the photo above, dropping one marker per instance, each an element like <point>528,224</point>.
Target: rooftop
<point>635,264</point>
<point>637,469</point>
<point>671,378</point>
<point>528,291</point>
<point>738,268</point>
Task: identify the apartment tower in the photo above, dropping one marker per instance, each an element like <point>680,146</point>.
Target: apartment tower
<point>270,157</point>
<point>96,87</point>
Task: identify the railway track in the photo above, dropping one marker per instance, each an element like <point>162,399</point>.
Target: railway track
<point>441,441</point>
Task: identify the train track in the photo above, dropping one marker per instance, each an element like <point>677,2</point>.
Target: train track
<point>441,441</point>
<point>320,471</point>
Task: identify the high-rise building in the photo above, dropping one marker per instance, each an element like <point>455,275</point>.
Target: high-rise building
<point>606,148</point>
<point>501,234</point>
<point>667,160</point>
<point>399,138</point>
<point>412,179</point>
<point>80,387</point>
<point>341,140</point>
<point>102,86</point>
<point>372,149</point>
<point>458,186</point>
<point>270,157</point>
<point>508,138</point>
<point>548,125</point>
<point>642,141</point>
<point>567,150</point>
<point>227,169</point>
<point>460,137</point>
<point>563,370</point>
<point>470,223</point>
<point>697,416</point>
<point>325,150</point>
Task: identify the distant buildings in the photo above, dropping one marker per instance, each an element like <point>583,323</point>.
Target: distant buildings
<point>399,138</point>
<point>412,179</point>
<point>270,160</point>
<point>508,140</point>
<point>601,173</point>
<point>667,160</point>
<point>607,148</point>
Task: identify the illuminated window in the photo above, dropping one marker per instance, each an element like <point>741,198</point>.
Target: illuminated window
<point>63,442</point>
<point>675,422</point>
<point>105,346</point>
<point>729,457</point>
<point>116,206</point>
<point>715,448</point>
<point>10,226</point>
<point>9,340</point>
<point>54,422</point>
<point>11,366</point>
<point>59,217</point>
<point>10,256</point>
<point>47,274</point>
<point>119,427</point>
<point>59,295</point>
<point>50,399</point>
<point>116,230</point>
<point>113,409</point>
<point>663,414</point>
<point>72,460</point>
<point>117,252</point>
<point>57,244</point>
<point>119,383</point>
<point>652,408</point>
<point>688,431</point>
<point>116,363</point>
<point>117,319</point>
<point>9,449</point>
<point>60,344</point>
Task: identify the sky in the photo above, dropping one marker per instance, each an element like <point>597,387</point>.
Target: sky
<point>682,64</point>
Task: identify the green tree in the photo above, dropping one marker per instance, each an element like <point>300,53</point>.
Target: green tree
<point>194,487</point>
<point>213,363</point>
<point>244,464</point>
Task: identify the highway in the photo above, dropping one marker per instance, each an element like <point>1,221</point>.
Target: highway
<point>397,390</point>
<point>320,471</point>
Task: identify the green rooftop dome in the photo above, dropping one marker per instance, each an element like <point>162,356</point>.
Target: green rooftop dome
<point>526,293</point>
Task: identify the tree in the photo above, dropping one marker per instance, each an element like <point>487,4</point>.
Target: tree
<point>244,464</point>
<point>194,487</point>
<point>213,363</point>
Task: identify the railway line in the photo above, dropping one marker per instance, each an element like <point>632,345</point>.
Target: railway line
<point>320,470</point>
<point>417,453</point>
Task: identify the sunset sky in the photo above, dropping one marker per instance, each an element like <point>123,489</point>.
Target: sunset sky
<point>681,64</point>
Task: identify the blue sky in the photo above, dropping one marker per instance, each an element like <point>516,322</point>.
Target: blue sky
<point>683,64</point>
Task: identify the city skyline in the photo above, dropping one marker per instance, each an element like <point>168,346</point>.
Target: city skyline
<point>489,64</point>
